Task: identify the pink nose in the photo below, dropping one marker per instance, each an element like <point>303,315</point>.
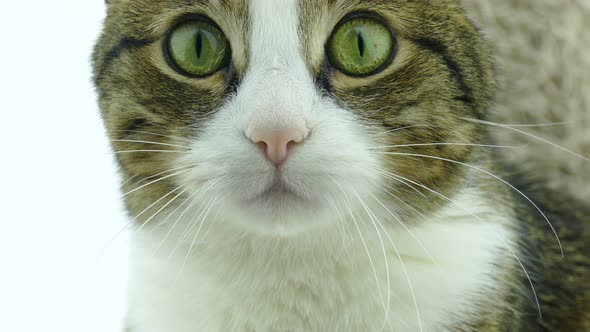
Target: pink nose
<point>276,142</point>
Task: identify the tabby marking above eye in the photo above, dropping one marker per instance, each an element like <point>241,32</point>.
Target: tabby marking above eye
<point>361,45</point>
<point>197,48</point>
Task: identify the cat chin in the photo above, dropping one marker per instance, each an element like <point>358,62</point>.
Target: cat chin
<point>278,216</point>
<point>293,209</point>
<point>290,202</point>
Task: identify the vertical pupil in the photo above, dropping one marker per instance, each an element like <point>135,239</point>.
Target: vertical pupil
<point>199,45</point>
<point>361,44</point>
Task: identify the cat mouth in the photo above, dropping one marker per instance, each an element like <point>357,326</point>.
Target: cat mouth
<point>277,190</point>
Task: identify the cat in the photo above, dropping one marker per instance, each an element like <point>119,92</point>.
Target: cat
<point>322,165</point>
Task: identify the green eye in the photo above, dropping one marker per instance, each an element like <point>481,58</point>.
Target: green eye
<point>361,46</point>
<point>198,48</point>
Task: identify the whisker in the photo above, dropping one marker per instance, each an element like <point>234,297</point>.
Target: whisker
<point>485,223</point>
<point>190,248</point>
<point>185,201</point>
<point>155,181</point>
<point>189,206</point>
<point>448,144</point>
<point>386,174</point>
<point>127,225</point>
<point>387,308</point>
<point>393,130</point>
<point>402,201</point>
<point>349,206</point>
<point>162,173</point>
<point>160,210</point>
<point>146,151</point>
<point>401,262</point>
<point>406,228</point>
<point>190,226</point>
<point>495,177</point>
<point>520,125</point>
<point>148,142</point>
<point>193,202</point>
<point>155,134</point>
<point>214,219</point>
<point>341,223</point>
<point>180,206</point>
<point>131,178</point>
<point>193,223</point>
<point>512,128</point>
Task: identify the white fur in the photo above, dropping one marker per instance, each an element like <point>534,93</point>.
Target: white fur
<point>278,91</point>
<point>233,259</point>
<point>234,281</point>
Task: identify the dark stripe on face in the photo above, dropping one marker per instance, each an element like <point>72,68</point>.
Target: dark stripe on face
<point>440,49</point>
<point>123,45</point>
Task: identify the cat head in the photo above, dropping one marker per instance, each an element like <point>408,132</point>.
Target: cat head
<point>287,114</point>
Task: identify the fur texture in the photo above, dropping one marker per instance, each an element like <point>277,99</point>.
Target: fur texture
<point>320,282</point>
<point>395,212</point>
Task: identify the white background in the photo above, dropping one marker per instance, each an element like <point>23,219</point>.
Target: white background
<point>59,202</point>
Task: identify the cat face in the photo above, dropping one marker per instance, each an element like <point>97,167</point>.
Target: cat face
<point>285,114</point>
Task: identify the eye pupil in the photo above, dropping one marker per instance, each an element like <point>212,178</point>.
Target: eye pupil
<point>199,45</point>
<point>361,44</point>
<point>197,48</point>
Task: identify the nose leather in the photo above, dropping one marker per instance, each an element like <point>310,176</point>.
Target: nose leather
<point>276,142</point>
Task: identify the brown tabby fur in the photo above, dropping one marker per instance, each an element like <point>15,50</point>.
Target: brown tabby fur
<point>441,75</point>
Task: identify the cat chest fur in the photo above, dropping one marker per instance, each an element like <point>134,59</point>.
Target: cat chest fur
<point>235,283</point>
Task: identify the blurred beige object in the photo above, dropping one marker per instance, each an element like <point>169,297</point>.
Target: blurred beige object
<point>542,53</point>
